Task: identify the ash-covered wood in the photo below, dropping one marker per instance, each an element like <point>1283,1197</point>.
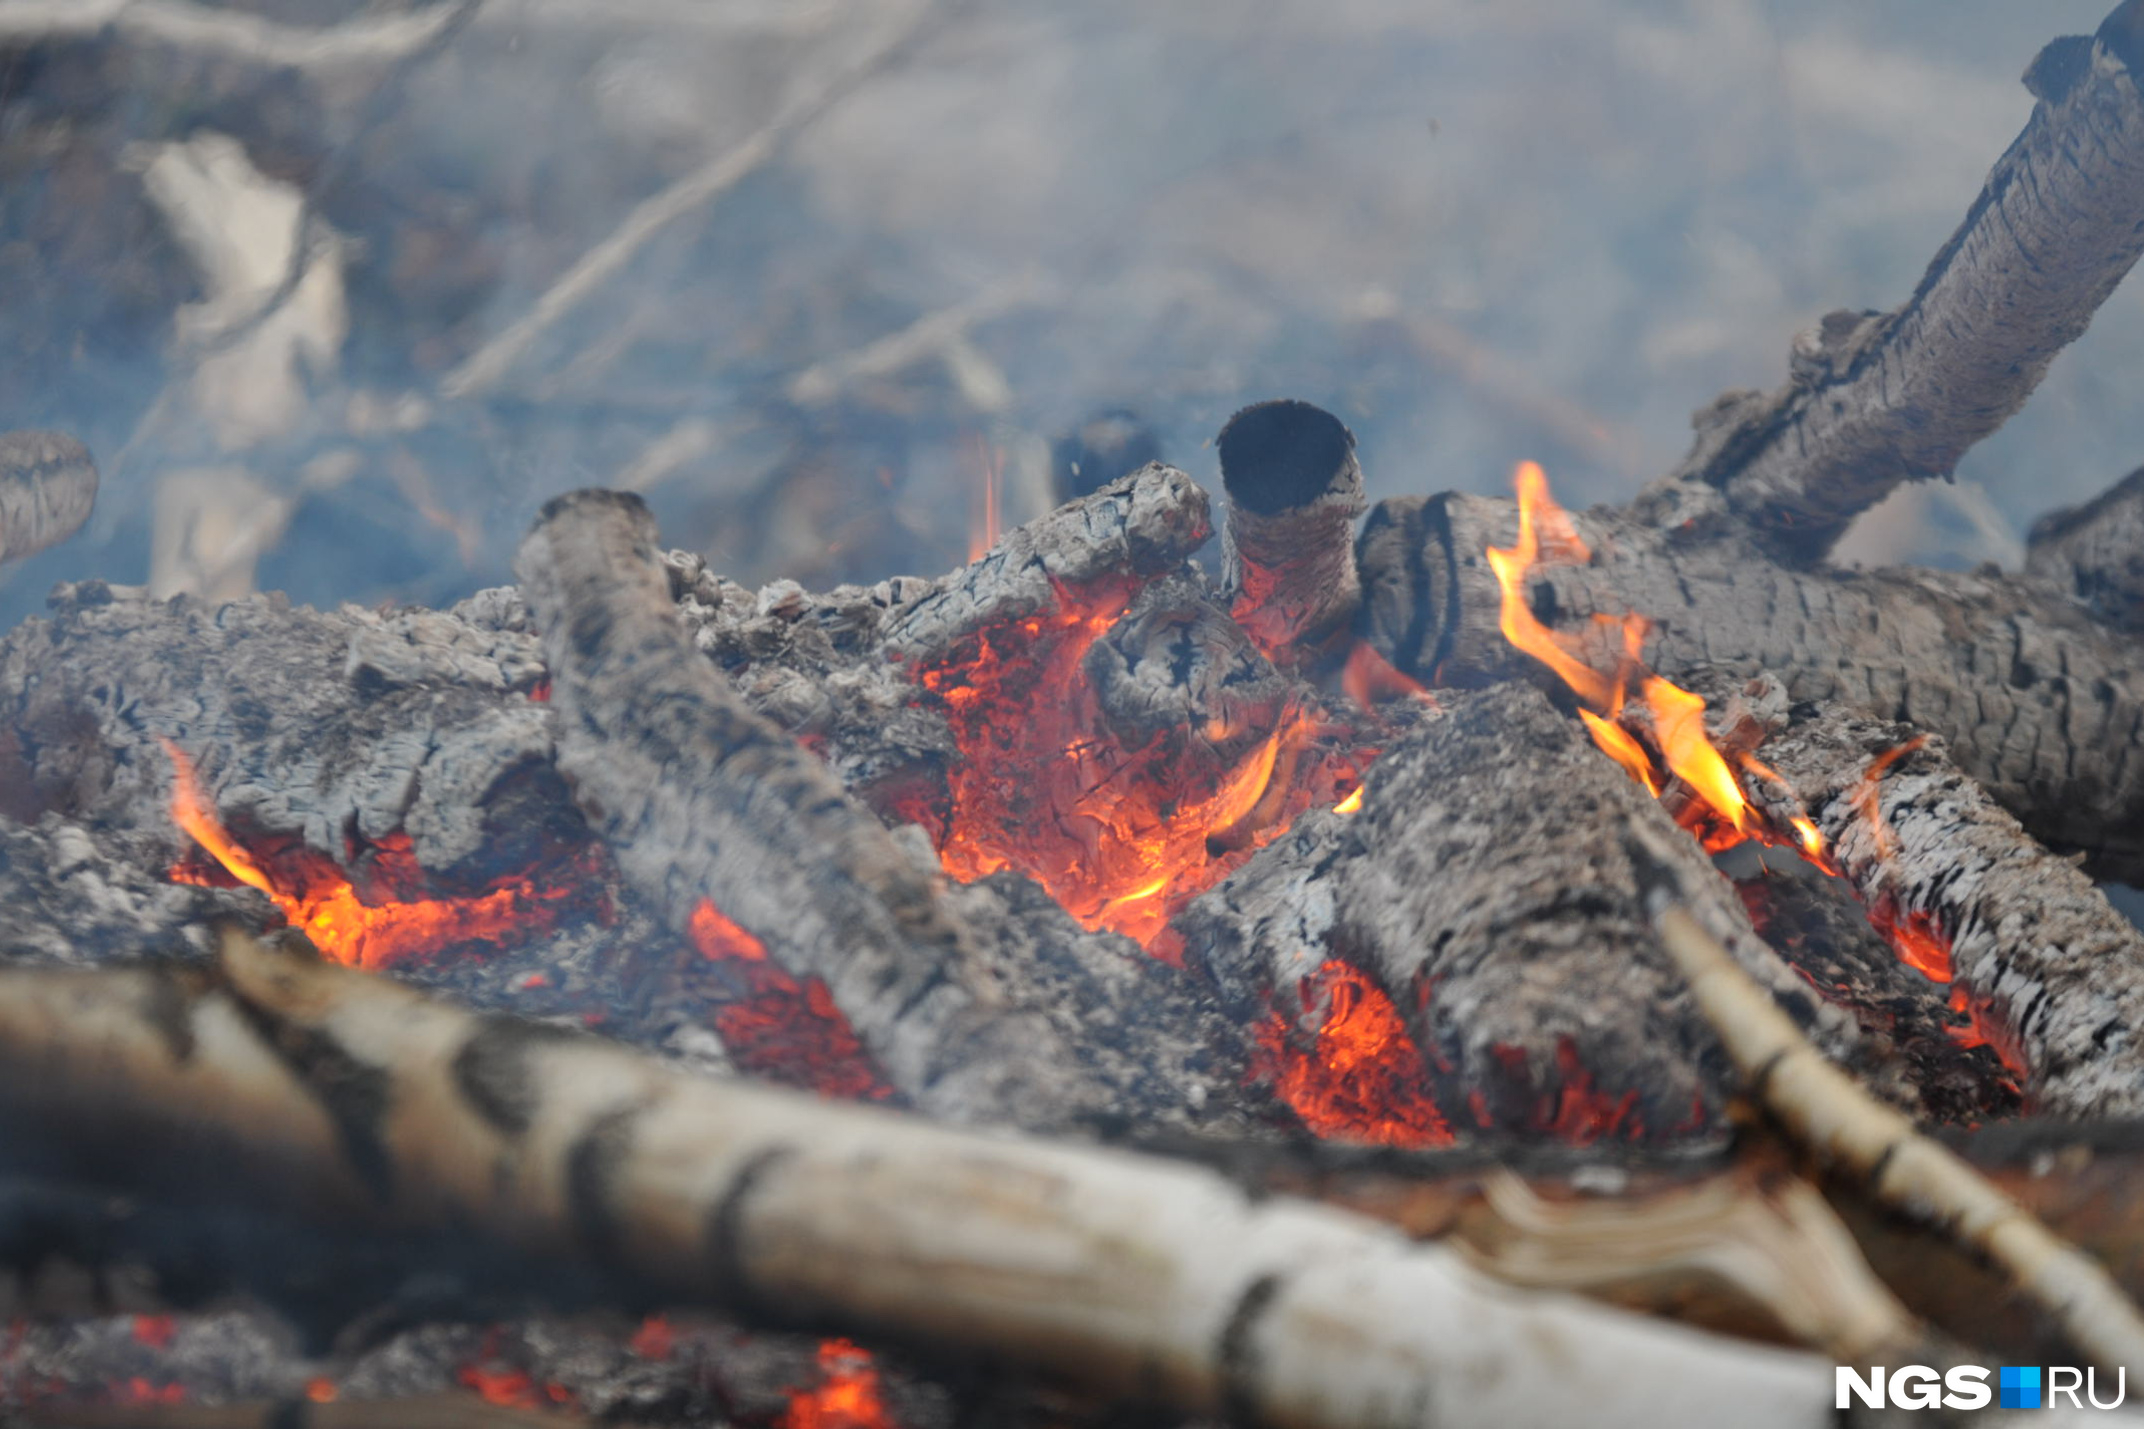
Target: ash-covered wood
<point>2037,701</point>
<point>2095,553</point>
<point>330,1089</point>
<point>2048,965</point>
<point>48,486</point>
<point>336,729</point>
<point>1879,398</point>
<point>1475,885</point>
<point>1294,491</point>
<point>705,801</point>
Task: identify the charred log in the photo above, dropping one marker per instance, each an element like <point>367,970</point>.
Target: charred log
<point>2045,965</point>
<point>2037,701</point>
<point>1879,398</point>
<point>711,807</point>
<point>1473,885</point>
<point>2095,553</point>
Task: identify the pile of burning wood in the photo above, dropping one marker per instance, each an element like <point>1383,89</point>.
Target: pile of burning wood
<point>1401,978</point>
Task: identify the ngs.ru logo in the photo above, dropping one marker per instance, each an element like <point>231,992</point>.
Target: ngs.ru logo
<point>1916,1386</point>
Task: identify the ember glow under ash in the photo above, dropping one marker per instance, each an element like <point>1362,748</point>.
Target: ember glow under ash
<point>847,1395</point>
<point>1123,838</point>
<point>779,1028</point>
<point>389,923</point>
<point>1362,1078</point>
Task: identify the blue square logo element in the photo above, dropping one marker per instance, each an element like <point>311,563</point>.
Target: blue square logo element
<point>2020,1386</point>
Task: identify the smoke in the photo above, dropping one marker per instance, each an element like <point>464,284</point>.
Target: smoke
<point>1480,230</point>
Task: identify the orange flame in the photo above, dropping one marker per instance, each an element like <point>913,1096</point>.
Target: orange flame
<point>319,899</point>
<point>1722,813</point>
<point>780,1028</point>
<point>847,1396</point>
<point>1363,1080</point>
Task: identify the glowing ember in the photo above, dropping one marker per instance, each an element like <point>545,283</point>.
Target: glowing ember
<point>1680,749</point>
<point>1121,837</point>
<point>321,901</point>
<point>1351,803</point>
<point>847,1396</point>
<point>654,1340</point>
<point>1362,1079</point>
<point>155,1331</point>
<point>779,1028</point>
<point>512,1388</point>
<point>320,1391</point>
<point>138,1390</point>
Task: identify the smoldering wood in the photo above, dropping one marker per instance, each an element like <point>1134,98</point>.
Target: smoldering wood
<point>704,800</point>
<point>338,729</point>
<point>1294,491</point>
<point>2033,942</point>
<point>1821,929</point>
<point>1474,887</point>
<point>1874,399</point>
<point>48,486</point>
<point>353,1097</point>
<point>1854,1134</point>
<point>2095,553</point>
<point>2037,701</point>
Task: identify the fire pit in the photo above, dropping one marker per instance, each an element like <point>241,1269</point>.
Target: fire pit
<point>1498,965</point>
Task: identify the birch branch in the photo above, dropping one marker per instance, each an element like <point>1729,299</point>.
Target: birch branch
<point>282,1075</point>
<point>1823,1109</point>
<point>233,33</point>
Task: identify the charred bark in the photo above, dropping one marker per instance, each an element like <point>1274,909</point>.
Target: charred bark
<point>1475,886</point>
<point>2095,553</point>
<point>2049,967</point>
<point>48,486</point>
<point>2037,701</point>
<point>1876,399</point>
<point>1294,491</point>
<point>707,803</point>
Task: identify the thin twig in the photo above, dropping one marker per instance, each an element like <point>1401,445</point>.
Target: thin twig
<point>1828,1112</point>
<point>484,368</point>
<point>228,32</point>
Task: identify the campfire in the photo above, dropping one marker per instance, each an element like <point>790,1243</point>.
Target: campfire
<point>1456,961</point>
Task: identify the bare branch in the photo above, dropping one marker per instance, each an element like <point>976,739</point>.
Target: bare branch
<point>1876,399</point>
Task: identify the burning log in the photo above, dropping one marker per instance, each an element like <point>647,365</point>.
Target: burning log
<point>1847,1128</point>
<point>319,1086</point>
<point>2041,960</point>
<point>1472,884</point>
<point>2034,698</point>
<point>1294,491</point>
<point>2095,553</point>
<point>48,485</point>
<point>1876,399</point>
<point>710,806</point>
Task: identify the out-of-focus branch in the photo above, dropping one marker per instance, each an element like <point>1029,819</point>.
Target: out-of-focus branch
<point>234,33</point>
<point>484,368</point>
